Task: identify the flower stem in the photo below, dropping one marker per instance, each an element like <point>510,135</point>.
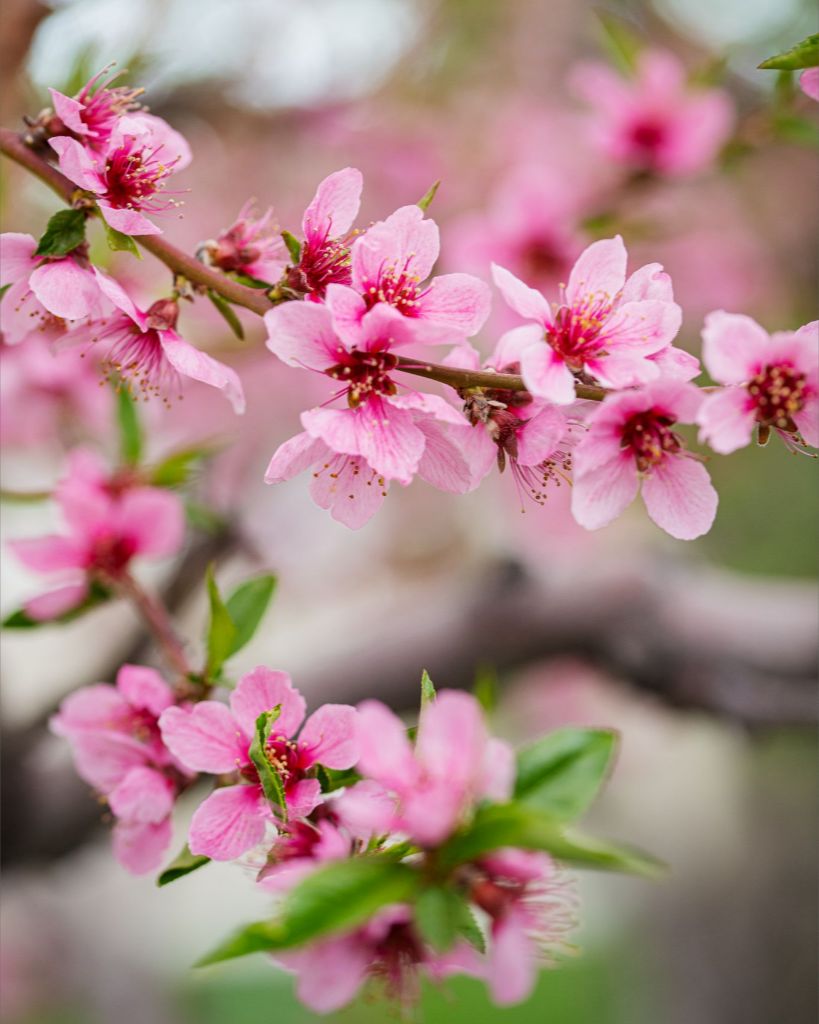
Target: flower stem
<point>156,618</point>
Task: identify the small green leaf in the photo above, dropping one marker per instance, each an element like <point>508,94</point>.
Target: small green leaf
<point>221,630</point>
<point>562,772</point>
<point>469,929</point>
<point>427,689</point>
<point>251,282</point>
<point>201,517</point>
<point>97,595</point>
<point>4,289</point>
<point>268,776</point>
<point>247,605</point>
<point>63,233</point>
<point>332,779</point>
<point>181,865</point>
<point>426,199</point>
<point>437,912</point>
<point>119,242</point>
<point>620,40</point>
<point>293,247</point>
<point>335,898</point>
<point>804,54</point>
<point>229,314</point>
<point>486,687</point>
<point>130,430</point>
<point>176,469</point>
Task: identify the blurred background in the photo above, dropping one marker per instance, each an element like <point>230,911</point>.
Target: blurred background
<point>702,654</point>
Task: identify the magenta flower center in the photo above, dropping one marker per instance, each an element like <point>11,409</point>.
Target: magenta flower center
<point>542,257</point>
<point>575,333</point>
<point>650,439</point>
<point>777,393</point>
<point>398,287</point>
<point>395,960</point>
<point>366,374</point>
<point>648,136</point>
<point>133,175</point>
<point>111,554</point>
<point>323,261</point>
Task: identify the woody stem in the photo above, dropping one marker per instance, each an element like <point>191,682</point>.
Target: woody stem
<point>158,621</point>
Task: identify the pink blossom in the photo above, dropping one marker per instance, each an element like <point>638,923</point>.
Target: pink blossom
<point>209,737</point>
<point>390,264</point>
<point>772,383</point>
<point>453,764</point>
<point>129,175</point>
<point>809,83</point>
<point>93,113</point>
<point>45,291</point>
<point>606,326</point>
<point>249,246</point>
<point>631,439</point>
<point>118,750</point>
<point>111,521</point>
<point>297,852</point>
<point>143,350</point>
<point>657,121</point>
<point>325,252</point>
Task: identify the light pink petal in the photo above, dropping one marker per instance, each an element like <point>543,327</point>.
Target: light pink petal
<point>262,690</point>
<point>809,83</point>
<point>77,163</point>
<point>726,420</point>
<point>87,507</point>
<point>51,553</point>
<point>649,282</point>
<point>406,242</point>
<point>168,146</point>
<point>66,290</point>
<point>546,375</point>
<point>452,738</point>
<point>383,328</point>
<point>117,295</point>
<point>431,810</point>
<point>734,347</point>
<point>623,368</point>
<point>445,463</point>
<point>365,810</point>
<point>540,436</point>
<point>464,357</point>
<point>205,737</point>
<point>807,420</point>
<point>601,86</point>
<point>330,973</point>
<point>99,707</point>
<point>293,457</point>
<point>69,112</point>
<point>129,222</point>
<point>460,301</point>
<point>301,334</point>
<point>513,344</point>
<point>677,363</point>
<point>153,519</point>
<point>144,687</point>
<point>512,967</point>
<point>16,256</point>
<point>347,309</point>
<point>141,847</point>
<point>385,753</point>
<point>680,498</point>
<point>329,736</point>
<point>56,602</point>
<point>525,301</point>
<point>497,777</point>
<point>144,795</point>
<point>600,270</point>
<point>228,823</point>
<point>192,362</point>
<point>677,398</point>
<point>104,759</point>
<point>600,495</point>
<point>351,489</point>
<point>335,205</point>
<point>700,127</point>
<point>647,325</point>
<point>303,797</point>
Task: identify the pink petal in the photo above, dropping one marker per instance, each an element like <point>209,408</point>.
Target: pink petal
<point>498,771</point>
<point>262,690</point>
<point>335,205</point>
<point>301,334</point>
<point>647,325</point>
<point>50,553</point>
<point>144,795</point>
<point>16,256</point>
<point>144,688</point>
<point>807,420</point>
<point>385,753</point>
<point>599,496</point>
<point>405,242</point>
<point>546,375</point>
<point>303,797</point>
<point>431,810</point>
<point>452,738</point>
<point>98,707</point>
<point>56,602</point>
<point>734,347</point>
<point>167,144</point>
<point>680,499</point>
<point>460,301</point>
<point>117,295</point>
<point>77,163</point>
<point>329,736</point>
<point>623,368</point>
<point>66,290</point>
<point>512,967</point>
<point>383,328</point>
<point>153,519</point>
<point>649,282</point>
<point>540,436</point>
<point>329,973</point>
<point>129,222</point>
<point>139,847</point>
<point>205,737</point>
<point>365,810</point>
<point>192,362</point>
<point>726,420</point>
<point>513,344</point>
<point>525,301</point>
<point>809,83</point>
<point>600,270</point>
<point>293,457</point>
<point>104,759</point>
<point>677,363</point>
<point>701,125</point>
<point>463,357</point>
<point>228,823</point>
<point>445,464</point>
<point>347,308</point>
<point>351,489</point>
<point>69,110</point>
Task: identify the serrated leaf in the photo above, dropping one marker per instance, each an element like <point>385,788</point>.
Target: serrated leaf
<point>437,910</point>
<point>804,54</point>
<point>270,779</point>
<point>63,233</point>
<point>97,595</point>
<point>469,929</point>
<point>515,824</point>
<point>337,897</point>
<point>563,772</point>
<point>426,199</point>
<point>427,689</point>
<point>181,865</point>
<point>622,42</point>
<point>247,605</point>
<point>228,313</point>
<point>120,242</point>
<point>293,247</point>
<point>221,629</point>
<point>130,430</point>
<point>485,687</point>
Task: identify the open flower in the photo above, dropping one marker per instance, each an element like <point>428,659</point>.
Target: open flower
<point>604,327</point>
<point>250,246</point>
<point>772,383</point>
<point>92,114</point>
<point>209,737</point>
<point>453,765</point>
<point>110,521</point>
<point>656,121</point>
<point>391,264</point>
<point>128,177</point>
<point>118,750</point>
<point>631,440</point>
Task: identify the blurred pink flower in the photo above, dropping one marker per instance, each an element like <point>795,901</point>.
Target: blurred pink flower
<point>656,121</point>
<point>630,439</point>
<point>809,83</point>
<point>250,246</point>
<point>772,382</point>
<point>95,110</point>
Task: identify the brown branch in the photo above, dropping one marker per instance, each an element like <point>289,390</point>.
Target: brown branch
<point>158,622</point>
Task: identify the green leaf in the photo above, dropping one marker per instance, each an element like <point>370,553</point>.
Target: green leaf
<point>469,929</point>
<point>251,282</point>
<point>246,607</point>
<point>427,689</point>
<point>335,898</point>
<point>130,430</point>
<point>97,595</point>
<point>426,199</point>
<point>229,314</point>
<point>4,289</point>
<point>293,247</point>
<point>201,517</point>
<point>804,54</point>
<point>332,779</point>
<point>221,630</point>
<point>63,233</point>
<point>181,865</point>
<point>793,128</point>
<point>562,772</point>
<point>119,242</point>
<point>176,469</point>
<point>486,688</point>
<point>620,40</point>
<point>268,776</point>
<point>438,910</point>
<point>516,824</point>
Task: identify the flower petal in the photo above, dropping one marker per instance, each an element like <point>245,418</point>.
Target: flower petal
<point>680,498</point>
<point>228,823</point>
<point>385,753</point>
<point>262,690</point>
<point>140,847</point>
<point>726,420</point>
<point>205,737</point>
<point>144,687</point>
<point>600,270</point>
<point>335,205</point>
<point>301,334</point>
<point>144,795</point>
<point>192,362</point>
<point>734,347</point>
<point>546,375</point>
<point>525,301</point>
<point>600,495</point>
<point>329,736</point>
